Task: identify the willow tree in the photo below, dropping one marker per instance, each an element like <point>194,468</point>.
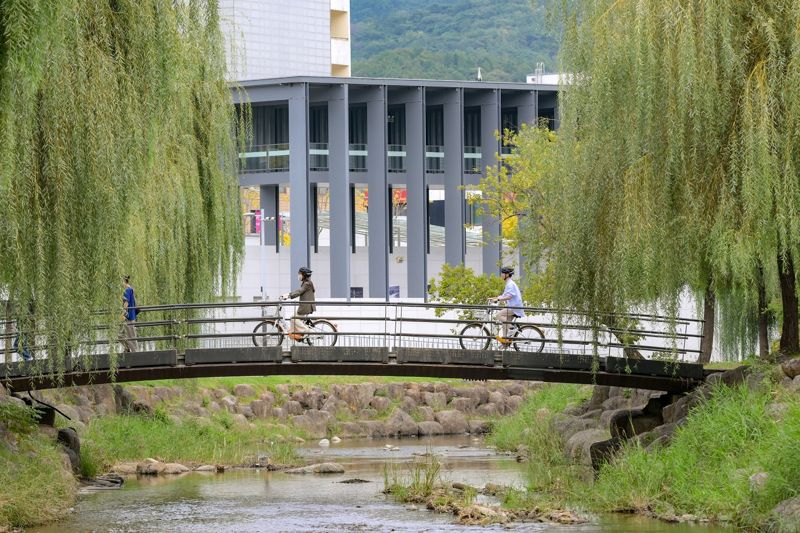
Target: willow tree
<point>678,156</point>
<point>116,157</point>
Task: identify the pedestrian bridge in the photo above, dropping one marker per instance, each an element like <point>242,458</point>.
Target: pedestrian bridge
<point>367,338</point>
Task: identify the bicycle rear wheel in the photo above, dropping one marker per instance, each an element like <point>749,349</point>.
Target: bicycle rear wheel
<point>267,333</point>
<point>529,339</point>
<point>322,333</point>
<point>475,336</point>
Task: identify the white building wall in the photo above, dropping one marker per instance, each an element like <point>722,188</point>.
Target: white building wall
<point>277,38</point>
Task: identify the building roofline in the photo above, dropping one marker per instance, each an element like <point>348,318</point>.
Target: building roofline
<point>397,82</point>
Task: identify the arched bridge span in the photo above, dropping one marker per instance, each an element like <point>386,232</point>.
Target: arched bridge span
<point>381,339</point>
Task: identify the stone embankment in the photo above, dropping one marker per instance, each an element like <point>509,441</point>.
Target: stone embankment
<point>356,410</point>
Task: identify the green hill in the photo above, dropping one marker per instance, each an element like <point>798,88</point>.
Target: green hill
<point>450,39</point>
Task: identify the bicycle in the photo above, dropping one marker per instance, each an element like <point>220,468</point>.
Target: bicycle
<point>272,330</point>
<point>477,336</point>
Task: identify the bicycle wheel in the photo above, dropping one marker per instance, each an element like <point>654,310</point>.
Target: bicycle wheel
<point>475,336</point>
<point>267,333</point>
<point>321,334</point>
<point>529,339</point>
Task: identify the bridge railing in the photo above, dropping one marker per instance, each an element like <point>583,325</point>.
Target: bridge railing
<point>392,325</point>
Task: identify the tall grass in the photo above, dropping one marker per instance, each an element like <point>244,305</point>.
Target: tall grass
<point>36,484</point>
<point>706,469</point>
<point>511,431</point>
<point>108,440</point>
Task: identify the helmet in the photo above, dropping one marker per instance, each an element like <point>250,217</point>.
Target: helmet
<point>305,271</point>
<point>507,270</point>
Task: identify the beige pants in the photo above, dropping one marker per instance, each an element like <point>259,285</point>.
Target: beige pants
<point>127,336</point>
<point>506,316</point>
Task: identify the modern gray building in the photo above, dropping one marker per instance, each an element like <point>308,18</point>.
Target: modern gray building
<point>374,173</point>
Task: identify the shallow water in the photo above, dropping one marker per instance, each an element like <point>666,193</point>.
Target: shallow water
<point>253,500</point>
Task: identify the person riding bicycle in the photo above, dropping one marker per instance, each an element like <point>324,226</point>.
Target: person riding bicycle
<point>513,297</point>
<point>306,307</point>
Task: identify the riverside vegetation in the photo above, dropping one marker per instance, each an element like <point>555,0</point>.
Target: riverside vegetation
<point>210,423</point>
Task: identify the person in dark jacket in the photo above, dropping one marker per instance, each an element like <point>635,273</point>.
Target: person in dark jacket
<point>306,295</point>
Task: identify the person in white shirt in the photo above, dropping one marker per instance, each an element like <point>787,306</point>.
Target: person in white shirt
<point>513,299</point>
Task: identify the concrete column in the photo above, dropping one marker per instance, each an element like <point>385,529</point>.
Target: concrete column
<point>269,211</point>
<point>527,109</point>
<point>299,202</point>
<point>454,177</point>
<point>416,219</point>
<point>340,212</point>
<point>490,149</point>
<point>378,207</point>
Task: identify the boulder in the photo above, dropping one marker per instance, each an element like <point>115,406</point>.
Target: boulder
<point>260,408</point>
<point>408,404</point>
<point>452,422</point>
<point>488,410</point>
<point>395,391</point>
<point>461,404</point>
<point>429,427</point>
<point>174,468</point>
<point>268,397</point>
<point>373,428</point>
<point>791,367</point>
<point>334,406</point>
<point>365,393</point>
<point>400,423</point>
<point>149,467</point>
<point>785,517</point>
<point>478,427</point>
<point>229,403</point>
<point>514,389</point>
<point>758,480</point>
<point>567,426</point>
<point>283,389</point>
<point>246,411</point>
<point>319,468</point>
<point>777,411</point>
<point>436,400</point>
<point>279,413</point>
<point>293,407</point>
<point>206,468</point>
<point>679,409</point>
<point>513,403</point>
<point>594,414</point>
<point>795,386</point>
<point>124,469</point>
<point>729,377</point>
<point>578,447</point>
<point>240,420</point>
<point>352,429</point>
<point>498,398</point>
<point>444,388</point>
<point>313,422</point>
<point>380,403</point>
<point>425,413</point>
<point>214,407</point>
<point>68,437</point>
<point>68,410</point>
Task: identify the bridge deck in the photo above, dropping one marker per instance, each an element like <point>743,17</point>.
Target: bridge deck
<point>349,361</point>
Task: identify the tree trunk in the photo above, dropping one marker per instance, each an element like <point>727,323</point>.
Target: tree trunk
<point>707,342</point>
<point>763,318</point>
<point>790,339</point>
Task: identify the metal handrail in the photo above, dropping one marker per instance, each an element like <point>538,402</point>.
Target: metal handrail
<point>182,326</point>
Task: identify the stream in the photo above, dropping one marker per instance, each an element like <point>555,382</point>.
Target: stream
<point>249,500</point>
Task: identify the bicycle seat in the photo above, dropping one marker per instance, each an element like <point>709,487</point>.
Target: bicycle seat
<point>308,322</point>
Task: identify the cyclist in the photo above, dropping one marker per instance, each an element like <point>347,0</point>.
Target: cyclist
<point>513,299</point>
<point>306,307</point>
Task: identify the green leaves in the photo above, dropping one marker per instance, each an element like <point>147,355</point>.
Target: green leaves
<point>116,158</point>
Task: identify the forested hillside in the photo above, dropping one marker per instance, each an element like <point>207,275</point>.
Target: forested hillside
<point>450,39</point>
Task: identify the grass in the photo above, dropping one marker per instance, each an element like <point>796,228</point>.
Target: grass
<point>706,469</point>
<point>112,439</point>
<point>511,431</point>
<point>36,485</point>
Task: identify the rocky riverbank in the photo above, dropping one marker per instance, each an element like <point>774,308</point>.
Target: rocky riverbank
<point>343,410</point>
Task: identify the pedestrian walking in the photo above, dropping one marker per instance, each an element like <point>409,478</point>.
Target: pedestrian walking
<point>129,312</point>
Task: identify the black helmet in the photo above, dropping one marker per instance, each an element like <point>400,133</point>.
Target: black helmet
<point>507,270</point>
<point>305,271</point>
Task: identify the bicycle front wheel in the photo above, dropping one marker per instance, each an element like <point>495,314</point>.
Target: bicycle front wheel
<point>529,339</point>
<point>322,333</point>
<point>475,337</point>
<point>267,333</point>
